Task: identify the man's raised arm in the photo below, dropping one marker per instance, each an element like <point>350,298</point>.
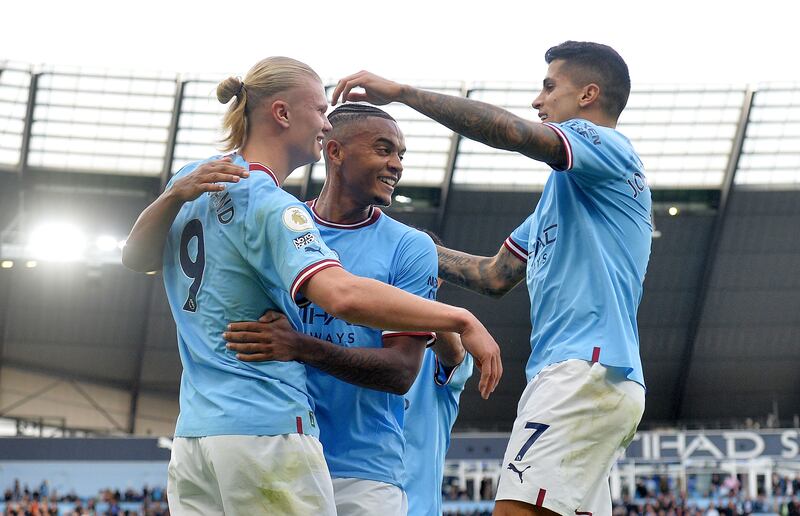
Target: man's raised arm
<point>476,120</point>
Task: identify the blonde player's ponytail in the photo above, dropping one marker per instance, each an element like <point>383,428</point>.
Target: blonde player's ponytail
<point>267,78</point>
<point>235,121</point>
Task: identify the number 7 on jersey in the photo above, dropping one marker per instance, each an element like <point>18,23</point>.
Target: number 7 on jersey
<point>538,430</point>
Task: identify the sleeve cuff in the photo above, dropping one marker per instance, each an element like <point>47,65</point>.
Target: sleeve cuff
<point>567,145</point>
<point>516,249</point>
<point>442,375</point>
<point>306,274</point>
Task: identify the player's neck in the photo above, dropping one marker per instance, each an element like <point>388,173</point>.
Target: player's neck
<point>337,207</point>
<point>268,154</point>
<point>598,117</point>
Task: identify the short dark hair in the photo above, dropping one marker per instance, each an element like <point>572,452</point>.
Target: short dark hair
<point>600,64</point>
<point>354,111</point>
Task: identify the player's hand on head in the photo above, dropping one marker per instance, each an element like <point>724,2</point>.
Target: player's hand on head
<point>486,353</point>
<point>272,337</point>
<point>208,177</point>
<point>377,90</point>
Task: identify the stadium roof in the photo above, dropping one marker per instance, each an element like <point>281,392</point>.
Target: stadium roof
<point>719,321</point>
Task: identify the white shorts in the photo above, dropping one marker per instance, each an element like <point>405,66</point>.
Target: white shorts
<point>359,497</point>
<point>573,421</point>
<point>249,475</point>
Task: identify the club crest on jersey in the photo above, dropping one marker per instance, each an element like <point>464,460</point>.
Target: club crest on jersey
<point>302,241</point>
<point>297,219</point>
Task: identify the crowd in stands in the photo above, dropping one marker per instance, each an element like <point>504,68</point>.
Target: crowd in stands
<point>20,500</point>
<point>721,495</point>
<point>657,495</point>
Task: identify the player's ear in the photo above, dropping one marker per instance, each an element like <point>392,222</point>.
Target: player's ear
<point>279,110</point>
<point>334,151</point>
<point>589,95</point>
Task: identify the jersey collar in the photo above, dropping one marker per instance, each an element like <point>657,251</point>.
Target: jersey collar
<point>264,168</point>
<point>372,217</point>
<point>255,166</point>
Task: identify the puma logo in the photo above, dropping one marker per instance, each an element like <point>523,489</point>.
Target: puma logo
<point>518,472</point>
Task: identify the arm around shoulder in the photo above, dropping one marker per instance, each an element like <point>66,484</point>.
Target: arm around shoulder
<point>144,247</point>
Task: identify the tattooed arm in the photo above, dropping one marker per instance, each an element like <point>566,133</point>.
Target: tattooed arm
<point>488,275</point>
<point>476,120</point>
<point>392,368</point>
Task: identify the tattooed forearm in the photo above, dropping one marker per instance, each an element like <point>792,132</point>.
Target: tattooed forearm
<point>382,369</point>
<point>490,276</point>
<point>467,271</point>
<point>488,124</point>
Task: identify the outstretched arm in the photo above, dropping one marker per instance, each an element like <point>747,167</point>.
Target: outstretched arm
<point>488,275</point>
<point>144,248</point>
<point>476,120</point>
<point>392,368</point>
<point>372,303</point>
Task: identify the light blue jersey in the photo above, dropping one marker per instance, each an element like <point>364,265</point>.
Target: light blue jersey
<point>230,256</point>
<point>431,411</point>
<point>361,430</point>
<point>586,246</point>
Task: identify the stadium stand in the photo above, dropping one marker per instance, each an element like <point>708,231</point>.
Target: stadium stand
<point>88,348</point>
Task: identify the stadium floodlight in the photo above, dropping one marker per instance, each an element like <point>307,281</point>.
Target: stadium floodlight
<point>402,199</point>
<point>31,264</point>
<point>673,210</point>
<point>6,264</point>
<point>107,243</point>
<point>57,242</point>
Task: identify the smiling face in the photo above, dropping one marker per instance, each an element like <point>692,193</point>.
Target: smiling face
<point>560,98</point>
<point>369,160</point>
<point>308,123</point>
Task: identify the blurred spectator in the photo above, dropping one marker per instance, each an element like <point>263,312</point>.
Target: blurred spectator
<point>658,496</point>
<point>20,501</point>
<point>792,507</point>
